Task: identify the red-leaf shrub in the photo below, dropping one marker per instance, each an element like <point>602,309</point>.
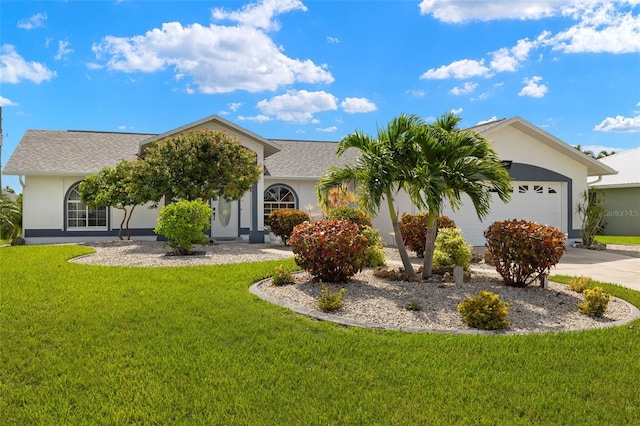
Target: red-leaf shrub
<point>281,222</point>
<point>522,251</point>
<point>330,250</point>
<point>414,230</point>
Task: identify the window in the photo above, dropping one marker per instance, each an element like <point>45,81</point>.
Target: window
<point>79,216</point>
<point>279,197</point>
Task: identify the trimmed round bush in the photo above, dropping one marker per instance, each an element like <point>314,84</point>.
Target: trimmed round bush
<point>183,224</point>
<point>451,249</point>
<point>414,230</point>
<point>485,311</point>
<point>282,221</point>
<point>330,250</point>
<point>349,213</point>
<point>523,251</point>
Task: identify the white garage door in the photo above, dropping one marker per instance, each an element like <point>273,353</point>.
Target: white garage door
<point>533,201</point>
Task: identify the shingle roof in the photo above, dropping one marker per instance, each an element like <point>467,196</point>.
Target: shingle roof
<point>306,159</point>
<point>48,152</point>
<point>627,164</point>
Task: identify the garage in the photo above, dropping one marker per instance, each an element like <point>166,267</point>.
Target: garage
<point>539,202</point>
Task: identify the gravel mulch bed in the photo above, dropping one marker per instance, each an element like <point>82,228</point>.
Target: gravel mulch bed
<point>373,301</point>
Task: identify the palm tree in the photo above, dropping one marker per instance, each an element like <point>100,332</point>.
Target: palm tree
<point>10,218</point>
<point>379,172</point>
<point>446,163</point>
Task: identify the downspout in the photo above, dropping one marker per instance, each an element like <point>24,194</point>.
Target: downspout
<point>21,180</point>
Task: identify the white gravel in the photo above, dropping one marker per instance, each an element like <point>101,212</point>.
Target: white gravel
<point>371,300</point>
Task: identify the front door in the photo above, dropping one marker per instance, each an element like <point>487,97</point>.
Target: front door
<point>224,219</point>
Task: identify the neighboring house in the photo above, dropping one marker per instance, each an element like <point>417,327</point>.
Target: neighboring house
<point>548,177</point>
<point>621,193</point>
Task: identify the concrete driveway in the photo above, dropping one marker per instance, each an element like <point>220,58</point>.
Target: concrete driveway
<point>604,266</point>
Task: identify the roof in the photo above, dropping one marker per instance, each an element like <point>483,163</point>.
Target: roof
<point>306,159</point>
<point>269,147</point>
<point>594,167</point>
<point>627,163</point>
<point>71,152</point>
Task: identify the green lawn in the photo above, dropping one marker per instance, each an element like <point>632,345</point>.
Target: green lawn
<point>611,239</point>
<point>112,345</point>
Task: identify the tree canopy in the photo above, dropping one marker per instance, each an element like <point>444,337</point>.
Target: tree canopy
<point>202,164</point>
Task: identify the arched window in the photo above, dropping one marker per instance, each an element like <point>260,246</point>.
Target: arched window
<point>279,197</point>
<point>80,216</point>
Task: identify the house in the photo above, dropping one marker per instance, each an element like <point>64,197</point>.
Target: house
<point>621,193</point>
<point>548,176</point>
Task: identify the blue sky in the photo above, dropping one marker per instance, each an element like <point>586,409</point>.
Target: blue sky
<point>319,70</point>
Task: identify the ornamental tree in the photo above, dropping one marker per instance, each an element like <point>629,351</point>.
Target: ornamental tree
<point>113,187</point>
<point>202,164</point>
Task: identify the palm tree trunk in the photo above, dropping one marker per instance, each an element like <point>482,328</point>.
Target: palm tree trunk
<point>408,267</point>
<point>429,246</point>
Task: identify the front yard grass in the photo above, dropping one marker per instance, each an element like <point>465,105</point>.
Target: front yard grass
<point>113,345</point>
<point>612,239</point>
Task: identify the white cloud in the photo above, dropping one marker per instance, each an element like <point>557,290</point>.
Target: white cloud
<point>298,105</point>
<point>218,58</point>
<point>235,106</point>
<point>260,14</point>
<point>333,40</point>
<point>619,124</point>
<point>457,110</point>
<point>6,102</point>
<point>494,118</point>
<point>355,105</point>
<point>327,129</point>
<point>456,11</point>
<point>464,68</point>
<point>416,93</point>
<point>93,66</point>
<point>532,88</point>
<point>13,68</point>
<point>600,29</point>
<point>32,22</point>
<point>63,50</point>
<point>466,88</point>
<point>260,118</point>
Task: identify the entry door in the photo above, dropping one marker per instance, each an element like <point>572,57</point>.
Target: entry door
<point>224,219</point>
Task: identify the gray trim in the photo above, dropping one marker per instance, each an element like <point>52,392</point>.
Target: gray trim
<point>65,222</point>
<point>255,236</point>
<point>135,232</point>
<point>528,172</point>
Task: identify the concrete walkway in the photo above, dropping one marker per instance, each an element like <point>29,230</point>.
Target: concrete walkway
<point>605,266</point>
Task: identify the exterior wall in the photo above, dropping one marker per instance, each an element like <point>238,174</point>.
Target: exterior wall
<point>622,211</point>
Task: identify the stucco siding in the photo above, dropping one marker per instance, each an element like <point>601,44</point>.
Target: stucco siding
<point>43,202</point>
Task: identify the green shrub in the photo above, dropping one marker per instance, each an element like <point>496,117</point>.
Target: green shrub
<point>414,230</point>
<point>330,250</point>
<point>183,224</point>
<point>579,284</point>
<point>523,251</point>
<point>595,302</point>
<point>281,222</point>
<point>282,276</point>
<point>374,254</point>
<point>451,249</point>
<point>485,311</point>
<point>330,301</point>
<point>351,214</point>
<point>412,306</point>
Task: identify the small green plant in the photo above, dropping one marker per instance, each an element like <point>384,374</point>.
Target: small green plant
<point>579,284</point>
<point>595,302</point>
<point>592,213</point>
<point>281,222</point>
<point>330,301</point>
<point>351,214</point>
<point>282,276</point>
<point>412,306</point>
<point>451,249</point>
<point>374,254</point>
<point>183,224</point>
<point>485,311</point>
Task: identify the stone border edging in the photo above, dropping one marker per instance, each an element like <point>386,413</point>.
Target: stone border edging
<point>323,316</point>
